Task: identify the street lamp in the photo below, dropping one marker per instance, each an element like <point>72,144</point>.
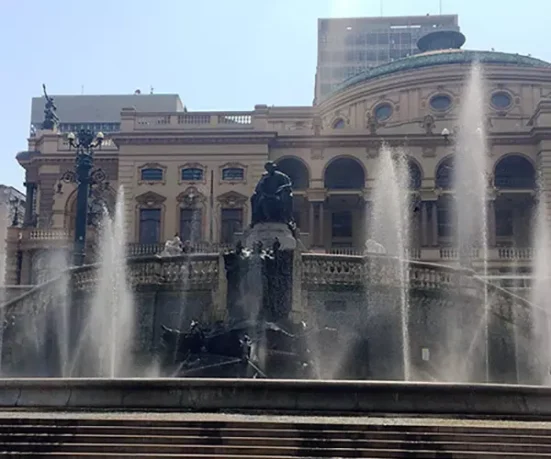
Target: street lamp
<point>84,142</point>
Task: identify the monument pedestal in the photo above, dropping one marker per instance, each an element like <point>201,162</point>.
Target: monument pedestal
<point>267,233</point>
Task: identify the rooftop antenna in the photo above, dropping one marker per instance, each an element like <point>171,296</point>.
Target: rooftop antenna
<point>151,89</point>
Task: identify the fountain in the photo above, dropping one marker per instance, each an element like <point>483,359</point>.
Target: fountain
<point>389,227</point>
<point>471,184</point>
<point>541,292</point>
<point>104,349</point>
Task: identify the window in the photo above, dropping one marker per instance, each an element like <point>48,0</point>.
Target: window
<point>504,222</point>
<point>232,222</point>
<point>341,224</point>
<point>383,112</point>
<point>192,174</point>
<point>152,174</point>
<point>501,100</point>
<point>191,225</point>
<point>441,102</point>
<point>150,226</point>
<point>233,173</point>
<point>338,124</point>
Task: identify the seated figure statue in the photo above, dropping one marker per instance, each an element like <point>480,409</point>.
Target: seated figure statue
<point>272,200</point>
<point>173,247</point>
<point>372,246</point>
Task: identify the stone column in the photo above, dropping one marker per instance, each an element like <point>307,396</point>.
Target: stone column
<point>434,222</point>
<point>311,220</point>
<point>424,224</point>
<point>491,223</point>
<point>321,223</point>
<point>29,203</point>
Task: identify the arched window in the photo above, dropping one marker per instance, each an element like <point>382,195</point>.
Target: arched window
<point>515,172</point>
<point>152,174</point>
<point>444,174</point>
<point>233,174</point>
<point>344,174</point>
<point>191,174</point>
<point>415,176</point>
<point>296,170</point>
<point>338,124</point>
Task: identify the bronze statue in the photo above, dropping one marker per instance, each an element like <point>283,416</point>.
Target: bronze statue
<point>50,118</point>
<point>272,200</point>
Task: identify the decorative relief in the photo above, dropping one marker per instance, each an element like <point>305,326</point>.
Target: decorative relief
<point>316,153</point>
<point>372,124</point>
<point>316,125</point>
<point>428,124</point>
<point>152,167</point>
<point>232,200</point>
<point>372,153</point>
<point>429,152</point>
<point>150,199</point>
<point>191,197</point>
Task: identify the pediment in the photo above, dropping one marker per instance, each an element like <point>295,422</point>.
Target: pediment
<point>150,198</point>
<point>191,195</point>
<point>232,199</point>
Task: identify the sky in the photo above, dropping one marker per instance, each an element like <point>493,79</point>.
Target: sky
<point>216,54</point>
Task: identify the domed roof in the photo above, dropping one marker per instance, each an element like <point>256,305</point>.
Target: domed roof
<point>434,56</point>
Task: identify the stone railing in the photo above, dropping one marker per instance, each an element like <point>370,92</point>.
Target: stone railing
<point>193,120</point>
<point>140,250</point>
<point>332,269</point>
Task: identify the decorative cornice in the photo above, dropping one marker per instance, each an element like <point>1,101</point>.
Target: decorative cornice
<point>193,138</point>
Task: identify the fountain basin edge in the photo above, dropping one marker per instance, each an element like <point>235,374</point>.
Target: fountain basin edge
<point>291,396</point>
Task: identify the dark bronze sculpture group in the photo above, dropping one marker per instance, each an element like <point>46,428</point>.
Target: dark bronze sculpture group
<point>258,339</point>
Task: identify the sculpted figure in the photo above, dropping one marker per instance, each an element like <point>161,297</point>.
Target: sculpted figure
<point>272,200</point>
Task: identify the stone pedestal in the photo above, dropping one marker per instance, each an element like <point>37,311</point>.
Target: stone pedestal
<point>267,234</point>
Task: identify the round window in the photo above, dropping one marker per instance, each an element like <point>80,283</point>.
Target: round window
<point>383,112</point>
<point>441,102</point>
<point>501,100</point>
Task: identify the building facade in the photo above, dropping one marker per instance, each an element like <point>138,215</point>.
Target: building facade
<point>192,173</point>
<point>348,46</point>
<point>100,112</point>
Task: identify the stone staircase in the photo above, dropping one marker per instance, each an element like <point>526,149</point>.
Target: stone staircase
<point>158,435</point>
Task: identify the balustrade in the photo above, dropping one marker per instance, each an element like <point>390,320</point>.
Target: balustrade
<point>197,120</point>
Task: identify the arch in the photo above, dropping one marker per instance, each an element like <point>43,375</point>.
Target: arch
<point>444,173</point>
<point>339,123</point>
<point>415,174</point>
<point>344,173</point>
<point>514,172</point>
<point>108,198</point>
<point>296,169</point>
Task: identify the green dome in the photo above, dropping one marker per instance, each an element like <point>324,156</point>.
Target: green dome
<point>441,57</point>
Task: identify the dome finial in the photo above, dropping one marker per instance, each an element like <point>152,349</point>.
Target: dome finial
<point>441,39</point>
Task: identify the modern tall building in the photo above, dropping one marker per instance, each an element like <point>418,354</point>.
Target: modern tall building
<point>348,46</point>
<point>100,112</point>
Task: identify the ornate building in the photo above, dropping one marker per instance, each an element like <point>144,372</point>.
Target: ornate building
<point>192,172</point>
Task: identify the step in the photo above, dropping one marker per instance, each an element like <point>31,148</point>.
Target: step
<point>430,451</point>
<point>513,429</point>
<point>528,436</point>
<point>365,443</point>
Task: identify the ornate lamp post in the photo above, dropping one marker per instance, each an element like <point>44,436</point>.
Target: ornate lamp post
<point>84,142</point>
